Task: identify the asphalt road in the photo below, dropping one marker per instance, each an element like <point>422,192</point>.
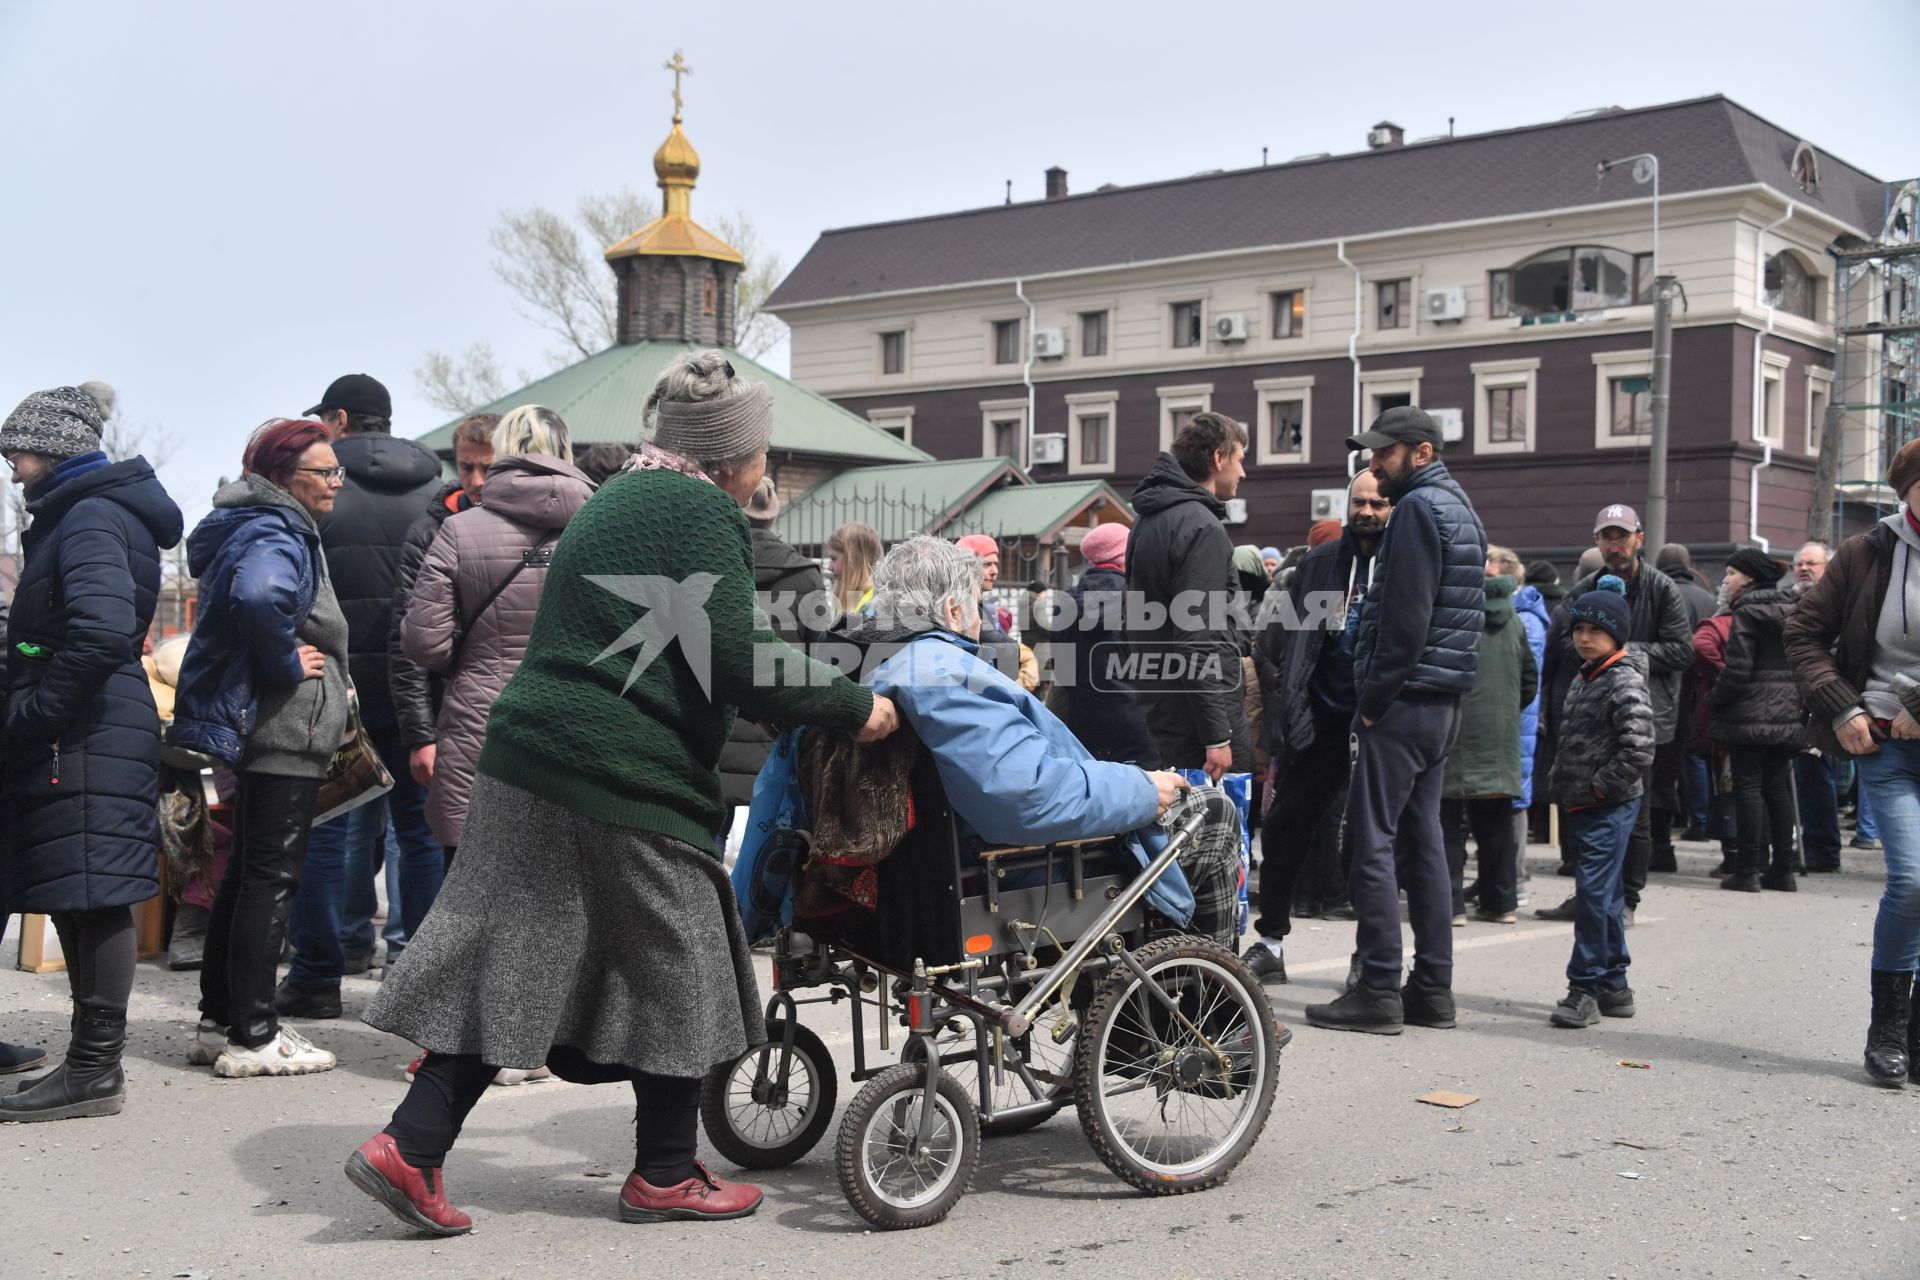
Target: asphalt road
<point>1755,1145</point>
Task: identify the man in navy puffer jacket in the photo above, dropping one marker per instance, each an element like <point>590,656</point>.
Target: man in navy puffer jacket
<point>1415,655</point>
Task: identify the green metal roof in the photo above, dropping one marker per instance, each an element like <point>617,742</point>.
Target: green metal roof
<point>964,495</point>
<point>602,398</point>
<point>1037,510</point>
<point>897,501</point>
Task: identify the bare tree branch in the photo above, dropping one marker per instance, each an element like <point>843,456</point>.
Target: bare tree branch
<point>461,384</point>
<point>755,332</point>
<point>557,273</point>
<point>558,286</point>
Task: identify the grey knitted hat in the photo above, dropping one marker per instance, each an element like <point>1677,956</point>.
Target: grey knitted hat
<point>62,423</point>
<point>718,429</point>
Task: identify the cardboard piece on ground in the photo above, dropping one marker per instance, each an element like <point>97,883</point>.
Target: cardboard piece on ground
<point>1447,1098</point>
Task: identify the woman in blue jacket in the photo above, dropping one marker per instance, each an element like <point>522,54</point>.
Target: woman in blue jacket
<point>82,735</point>
<point>263,688</point>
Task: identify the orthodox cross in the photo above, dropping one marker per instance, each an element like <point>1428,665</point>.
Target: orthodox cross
<point>679,68</point>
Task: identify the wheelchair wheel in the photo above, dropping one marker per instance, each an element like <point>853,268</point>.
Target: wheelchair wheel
<point>1172,1103</point>
<point>888,1178</point>
<point>1039,1050</point>
<point>783,1124</point>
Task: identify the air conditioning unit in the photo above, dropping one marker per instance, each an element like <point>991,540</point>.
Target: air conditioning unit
<point>1452,424</point>
<point>1329,504</point>
<point>1445,304</point>
<point>1047,447</point>
<point>1230,328</point>
<point>1049,344</point>
<point>1236,511</point>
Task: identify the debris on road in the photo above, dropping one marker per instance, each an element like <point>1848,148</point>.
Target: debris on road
<point>1638,1066</point>
<point>1447,1098</point>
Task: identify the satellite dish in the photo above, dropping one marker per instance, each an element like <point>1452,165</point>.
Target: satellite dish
<point>1643,170</point>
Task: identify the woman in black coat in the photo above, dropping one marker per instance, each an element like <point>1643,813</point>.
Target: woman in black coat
<point>1757,716</point>
<point>83,738</point>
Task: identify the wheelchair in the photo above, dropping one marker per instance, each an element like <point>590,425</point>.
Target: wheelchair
<point>1024,980</point>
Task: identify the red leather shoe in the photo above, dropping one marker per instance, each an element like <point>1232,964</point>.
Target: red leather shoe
<point>418,1197</point>
<point>699,1197</point>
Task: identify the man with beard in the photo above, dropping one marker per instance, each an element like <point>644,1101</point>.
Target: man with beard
<point>1415,655</point>
<point>1659,631</point>
<point>1306,680</point>
<point>1180,562</point>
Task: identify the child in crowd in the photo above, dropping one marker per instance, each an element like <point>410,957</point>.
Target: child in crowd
<point>1606,744</point>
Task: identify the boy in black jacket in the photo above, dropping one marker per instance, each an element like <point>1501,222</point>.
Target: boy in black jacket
<point>1606,743</point>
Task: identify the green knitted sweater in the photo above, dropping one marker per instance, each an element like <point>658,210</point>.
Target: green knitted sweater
<point>569,726</point>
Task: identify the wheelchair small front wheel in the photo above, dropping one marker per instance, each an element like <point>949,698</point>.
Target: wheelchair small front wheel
<point>1175,1080</point>
<point>892,1178</point>
<point>756,1119</point>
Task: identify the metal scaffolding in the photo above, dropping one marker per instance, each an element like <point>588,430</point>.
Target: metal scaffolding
<point>1873,404</point>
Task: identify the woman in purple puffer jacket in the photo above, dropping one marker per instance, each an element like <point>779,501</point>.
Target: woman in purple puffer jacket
<point>474,601</point>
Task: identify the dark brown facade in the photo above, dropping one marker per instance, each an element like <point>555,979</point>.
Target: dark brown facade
<point>1541,502</point>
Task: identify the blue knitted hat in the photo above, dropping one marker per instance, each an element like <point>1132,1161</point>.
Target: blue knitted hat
<point>1605,607</point>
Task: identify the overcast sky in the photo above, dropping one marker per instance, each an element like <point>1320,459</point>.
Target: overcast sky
<point>219,207</point>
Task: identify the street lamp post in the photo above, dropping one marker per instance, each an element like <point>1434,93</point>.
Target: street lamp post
<point>1646,170</point>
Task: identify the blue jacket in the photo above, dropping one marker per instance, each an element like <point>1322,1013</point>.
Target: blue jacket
<point>1420,627</point>
<point>1012,771</point>
<point>83,739</point>
<point>1532,608</point>
<point>258,565</point>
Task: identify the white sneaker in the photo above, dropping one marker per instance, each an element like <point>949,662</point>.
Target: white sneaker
<point>287,1054</point>
<point>514,1075</point>
<point>209,1039</point>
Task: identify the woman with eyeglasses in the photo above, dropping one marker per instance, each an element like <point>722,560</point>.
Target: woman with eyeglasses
<point>264,689</point>
<point>82,735</point>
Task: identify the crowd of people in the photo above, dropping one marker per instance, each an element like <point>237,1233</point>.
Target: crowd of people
<point>568,740</point>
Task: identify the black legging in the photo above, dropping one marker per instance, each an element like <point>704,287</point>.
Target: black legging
<point>99,948</point>
<point>1763,799</point>
<point>271,818</point>
<point>666,1118</point>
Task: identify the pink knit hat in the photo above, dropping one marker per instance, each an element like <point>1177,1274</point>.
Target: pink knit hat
<point>979,544</point>
<point>1106,544</point>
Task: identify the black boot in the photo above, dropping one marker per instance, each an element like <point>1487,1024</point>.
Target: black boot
<point>1913,1036</point>
<point>18,1057</point>
<point>1780,875</point>
<point>88,1083</point>
<point>1888,1032</point>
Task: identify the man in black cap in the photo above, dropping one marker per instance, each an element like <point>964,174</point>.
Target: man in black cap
<point>1415,655</point>
<point>1661,633</point>
<point>389,484</point>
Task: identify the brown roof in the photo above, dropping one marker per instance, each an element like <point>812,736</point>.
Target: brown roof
<point>1703,144</point>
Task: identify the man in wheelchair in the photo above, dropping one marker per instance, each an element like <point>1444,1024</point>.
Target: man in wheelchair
<point>1012,771</point>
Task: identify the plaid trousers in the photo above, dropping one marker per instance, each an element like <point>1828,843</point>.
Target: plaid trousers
<point>1212,864</point>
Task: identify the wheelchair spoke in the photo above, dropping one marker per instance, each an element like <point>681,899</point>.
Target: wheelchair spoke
<point>1176,1088</point>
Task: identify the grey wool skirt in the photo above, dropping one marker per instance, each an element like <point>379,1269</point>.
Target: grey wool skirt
<point>554,929</point>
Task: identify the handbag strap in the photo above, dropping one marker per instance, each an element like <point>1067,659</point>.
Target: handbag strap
<point>533,555</point>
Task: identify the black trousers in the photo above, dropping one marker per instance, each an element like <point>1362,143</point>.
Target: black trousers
<point>1640,846</point>
<point>99,947</point>
<point>1393,808</point>
<point>1763,805</point>
<point>271,818</point>
<point>666,1118</point>
<point>1308,786</point>
<point>1491,823</point>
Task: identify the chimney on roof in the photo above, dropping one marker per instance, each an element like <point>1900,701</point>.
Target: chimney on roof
<point>1384,135</point>
<point>1056,183</point>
